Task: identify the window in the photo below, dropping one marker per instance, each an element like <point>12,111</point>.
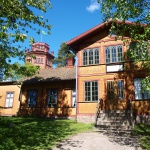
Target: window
<point>41,60</point>
<point>138,51</point>
<point>139,94</point>
<point>52,98</point>
<point>91,56</point>
<point>114,54</point>
<point>48,62</point>
<point>120,89</point>
<point>110,90</point>
<point>73,97</point>
<point>9,99</point>
<point>113,86</point>
<point>41,47</point>
<point>32,98</point>
<point>91,91</point>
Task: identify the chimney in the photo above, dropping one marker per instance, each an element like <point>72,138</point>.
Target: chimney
<point>70,62</point>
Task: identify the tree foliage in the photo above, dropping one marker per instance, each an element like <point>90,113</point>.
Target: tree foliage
<point>63,53</point>
<point>17,17</point>
<point>137,12</point>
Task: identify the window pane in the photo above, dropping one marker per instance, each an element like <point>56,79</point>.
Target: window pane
<point>107,55</point>
<point>91,57</point>
<point>146,95</point>
<point>84,57</point>
<point>120,86</point>
<point>113,54</point>
<point>137,89</point>
<point>96,56</point>
<point>120,53</point>
<point>110,90</point>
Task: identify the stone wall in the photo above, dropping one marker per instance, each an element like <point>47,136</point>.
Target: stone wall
<point>86,119</point>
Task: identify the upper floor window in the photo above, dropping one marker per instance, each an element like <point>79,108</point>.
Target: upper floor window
<point>117,86</point>
<point>91,56</point>
<point>138,51</point>
<point>38,60</point>
<point>114,54</point>
<point>9,99</point>
<point>91,91</point>
<point>52,97</point>
<point>139,93</point>
<point>32,98</point>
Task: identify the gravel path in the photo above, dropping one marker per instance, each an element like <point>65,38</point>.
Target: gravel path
<point>92,141</point>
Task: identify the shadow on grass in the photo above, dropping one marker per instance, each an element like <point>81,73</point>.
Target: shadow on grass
<point>35,133</point>
<point>143,131</point>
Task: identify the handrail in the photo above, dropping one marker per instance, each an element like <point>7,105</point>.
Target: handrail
<point>131,112</point>
<point>97,112</point>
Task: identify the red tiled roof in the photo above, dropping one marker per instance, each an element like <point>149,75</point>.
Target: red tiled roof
<point>54,74</point>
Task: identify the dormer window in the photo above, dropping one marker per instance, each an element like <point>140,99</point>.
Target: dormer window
<point>91,56</point>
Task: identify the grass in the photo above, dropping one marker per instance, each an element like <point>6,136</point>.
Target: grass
<point>144,132</point>
<point>36,133</point>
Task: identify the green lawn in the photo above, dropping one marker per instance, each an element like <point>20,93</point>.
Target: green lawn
<point>36,133</point>
<point>144,132</point>
<point>43,134</point>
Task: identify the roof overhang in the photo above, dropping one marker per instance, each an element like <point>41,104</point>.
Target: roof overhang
<point>74,43</point>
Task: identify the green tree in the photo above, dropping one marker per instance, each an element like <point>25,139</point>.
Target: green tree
<point>63,53</point>
<point>17,17</point>
<point>137,12</point>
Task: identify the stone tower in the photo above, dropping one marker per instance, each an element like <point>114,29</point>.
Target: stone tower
<point>42,55</point>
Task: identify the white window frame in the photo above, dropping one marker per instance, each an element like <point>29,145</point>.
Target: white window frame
<point>91,56</point>
<point>89,92</point>
<point>9,99</point>
<point>112,57</point>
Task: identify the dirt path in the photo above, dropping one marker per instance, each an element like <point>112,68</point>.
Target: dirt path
<point>92,141</point>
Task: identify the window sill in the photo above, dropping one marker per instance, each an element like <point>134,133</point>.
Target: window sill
<point>7,107</point>
<point>88,102</point>
<point>140,100</point>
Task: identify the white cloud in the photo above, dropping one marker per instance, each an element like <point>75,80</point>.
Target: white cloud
<point>94,6</point>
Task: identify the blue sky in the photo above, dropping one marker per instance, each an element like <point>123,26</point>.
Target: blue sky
<point>68,18</point>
